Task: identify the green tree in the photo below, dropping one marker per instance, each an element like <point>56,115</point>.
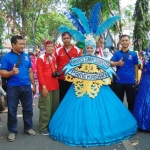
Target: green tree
<point>1,30</point>
<point>110,7</point>
<point>47,26</point>
<point>20,15</point>
<point>142,24</point>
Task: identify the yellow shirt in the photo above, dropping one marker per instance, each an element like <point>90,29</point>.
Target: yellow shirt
<point>139,75</point>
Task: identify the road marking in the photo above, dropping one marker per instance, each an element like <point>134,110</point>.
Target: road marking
<point>128,145</point>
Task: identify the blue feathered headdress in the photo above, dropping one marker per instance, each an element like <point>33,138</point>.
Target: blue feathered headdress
<point>85,26</point>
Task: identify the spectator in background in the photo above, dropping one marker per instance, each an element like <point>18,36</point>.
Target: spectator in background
<point>99,49</point>
<point>33,68</point>
<point>2,99</point>
<point>112,50</point>
<point>63,55</point>
<point>97,53</point>
<point>34,57</point>
<point>141,57</point>
<point>107,54</point>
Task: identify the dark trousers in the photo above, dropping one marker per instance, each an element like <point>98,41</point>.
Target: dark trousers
<point>130,90</point>
<point>4,83</point>
<point>24,94</point>
<point>63,88</point>
<point>2,105</point>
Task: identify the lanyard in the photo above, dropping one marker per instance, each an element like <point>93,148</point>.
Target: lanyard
<point>49,61</point>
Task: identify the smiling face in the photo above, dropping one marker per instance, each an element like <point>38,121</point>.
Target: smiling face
<point>125,42</point>
<point>49,48</point>
<point>37,51</point>
<point>66,39</point>
<point>90,50</point>
<point>19,45</point>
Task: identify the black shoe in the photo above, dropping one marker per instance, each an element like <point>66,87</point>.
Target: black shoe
<point>45,132</point>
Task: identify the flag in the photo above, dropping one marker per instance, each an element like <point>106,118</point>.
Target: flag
<point>100,50</point>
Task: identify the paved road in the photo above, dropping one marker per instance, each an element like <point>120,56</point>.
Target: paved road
<point>39,142</point>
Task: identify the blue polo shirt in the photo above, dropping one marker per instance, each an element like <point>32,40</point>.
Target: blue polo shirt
<point>22,78</point>
<point>126,73</point>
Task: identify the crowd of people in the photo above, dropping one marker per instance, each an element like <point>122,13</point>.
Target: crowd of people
<point>76,121</point>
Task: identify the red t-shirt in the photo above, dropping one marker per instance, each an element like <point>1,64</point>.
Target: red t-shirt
<point>45,68</point>
<point>62,58</point>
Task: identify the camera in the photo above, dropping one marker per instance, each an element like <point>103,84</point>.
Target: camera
<point>56,74</point>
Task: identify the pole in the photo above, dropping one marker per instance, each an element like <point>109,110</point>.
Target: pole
<point>33,38</point>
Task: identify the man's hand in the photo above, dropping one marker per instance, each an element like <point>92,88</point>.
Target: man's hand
<point>15,70</point>
<point>136,83</point>
<point>120,62</point>
<point>34,90</point>
<point>44,91</point>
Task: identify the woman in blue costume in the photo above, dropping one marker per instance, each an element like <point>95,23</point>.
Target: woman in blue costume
<point>142,101</point>
<point>90,113</point>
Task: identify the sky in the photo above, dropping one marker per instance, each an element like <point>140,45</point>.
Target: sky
<point>124,3</point>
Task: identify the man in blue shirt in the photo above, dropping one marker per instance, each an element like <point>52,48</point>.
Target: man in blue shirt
<point>16,67</point>
<point>126,63</point>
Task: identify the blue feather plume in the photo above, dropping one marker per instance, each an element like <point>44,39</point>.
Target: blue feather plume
<point>75,22</point>
<point>83,19</point>
<point>107,24</point>
<point>76,35</point>
<point>95,17</point>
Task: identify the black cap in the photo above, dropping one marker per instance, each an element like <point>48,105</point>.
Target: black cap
<point>30,53</point>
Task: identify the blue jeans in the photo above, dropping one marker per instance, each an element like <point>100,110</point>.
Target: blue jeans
<point>24,94</point>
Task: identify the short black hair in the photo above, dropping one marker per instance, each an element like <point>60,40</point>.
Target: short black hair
<point>15,38</point>
<point>112,47</point>
<point>30,53</point>
<point>139,66</point>
<point>124,35</point>
<point>66,33</point>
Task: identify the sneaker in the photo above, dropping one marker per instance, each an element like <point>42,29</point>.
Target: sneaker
<point>11,137</point>
<point>19,105</point>
<point>33,104</point>
<point>45,132</point>
<point>31,132</point>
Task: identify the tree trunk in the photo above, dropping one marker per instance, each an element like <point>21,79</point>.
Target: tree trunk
<point>120,26</point>
<point>25,4</point>
<point>14,16</point>
<point>112,39</point>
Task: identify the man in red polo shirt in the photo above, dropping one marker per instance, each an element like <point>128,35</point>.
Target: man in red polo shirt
<point>63,56</point>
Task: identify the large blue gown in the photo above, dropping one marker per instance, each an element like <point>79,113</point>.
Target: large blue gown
<point>142,102</point>
<point>84,121</point>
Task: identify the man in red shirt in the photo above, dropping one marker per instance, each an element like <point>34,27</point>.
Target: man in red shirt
<point>48,86</point>
<point>63,56</point>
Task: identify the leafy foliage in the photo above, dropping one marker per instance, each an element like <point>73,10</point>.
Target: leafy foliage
<point>87,5</point>
<point>110,8</point>
<point>142,24</point>
<point>20,14</point>
<point>1,30</point>
<point>47,26</point>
